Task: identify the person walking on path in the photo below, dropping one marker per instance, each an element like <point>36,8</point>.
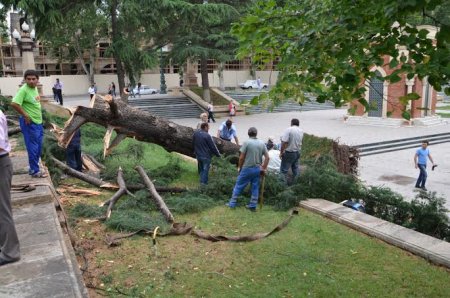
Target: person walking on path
<point>9,242</point>
<point>227,130</point>
<point>58,88</point>
<point>250,168</point>
<point>204,148</point>
<point>420,161</point>
<point>113,89</point>
<point>291,144</point>
<point>91,91</point>
<point>73,152</point>
<point>27,104</point>
<point>232,109</point>
<point>211,113</point>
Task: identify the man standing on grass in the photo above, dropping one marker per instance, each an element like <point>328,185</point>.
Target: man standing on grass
<point>204,148</point>
<point>9,242</point>
<point>291,144</point>
<point>420,161</point>
<point>251,167</point>
<point>27,104</point>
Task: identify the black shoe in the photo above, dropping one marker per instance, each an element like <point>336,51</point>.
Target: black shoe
<point>251,208</point>
<point>4,262</point>
<point>424,188</point>
<point>418,186</point>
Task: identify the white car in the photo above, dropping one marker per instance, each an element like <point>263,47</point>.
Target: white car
<point>253,84</point>
<point>144,90</point>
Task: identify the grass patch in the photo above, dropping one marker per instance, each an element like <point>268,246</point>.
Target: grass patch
<point>444,115</point>
<point>312,256</point>
<point>216,99</point>
<point>443,108</point>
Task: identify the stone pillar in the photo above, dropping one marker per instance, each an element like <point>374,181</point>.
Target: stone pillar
<point>409,86</point>
<point>190,77</point>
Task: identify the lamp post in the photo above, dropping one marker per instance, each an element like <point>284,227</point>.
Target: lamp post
<point>26,42</point>
<point>163,86</point>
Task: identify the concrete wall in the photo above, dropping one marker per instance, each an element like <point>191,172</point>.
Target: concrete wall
<point>79,84</point>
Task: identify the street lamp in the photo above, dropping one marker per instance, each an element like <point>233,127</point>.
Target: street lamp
<point>25,41</point>
<point>163,86</point>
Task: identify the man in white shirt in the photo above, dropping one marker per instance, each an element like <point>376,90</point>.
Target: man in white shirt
<point>291,144</point>
<point>92,91</point>
<point>9,242</point>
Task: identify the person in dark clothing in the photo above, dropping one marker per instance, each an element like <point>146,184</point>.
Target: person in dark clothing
<point>204,148</point>
<point>73,152</point>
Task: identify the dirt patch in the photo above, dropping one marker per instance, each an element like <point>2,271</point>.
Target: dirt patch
<point>398,179</point>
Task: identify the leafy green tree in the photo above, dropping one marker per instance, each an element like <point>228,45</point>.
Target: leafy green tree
<point>328,47</point>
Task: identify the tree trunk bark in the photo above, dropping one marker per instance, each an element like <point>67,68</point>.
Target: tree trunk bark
<point>115,40</point>
<point>221,78</point>
<point>205,79</point>
<point>138,124</point>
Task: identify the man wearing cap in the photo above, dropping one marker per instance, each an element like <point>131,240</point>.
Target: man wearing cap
<point>9,242</point>
<point>227,131</point>
<point>291,144</point>
<point>250,167</point>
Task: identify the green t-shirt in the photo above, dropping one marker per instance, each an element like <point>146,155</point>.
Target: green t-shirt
<point>28,98</point>
<point>254,150</point>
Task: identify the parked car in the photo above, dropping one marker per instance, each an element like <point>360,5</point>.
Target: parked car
<point>252,84</point>
<point>145,90</point>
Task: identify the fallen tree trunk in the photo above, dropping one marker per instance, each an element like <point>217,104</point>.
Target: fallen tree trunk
<point>138,124</point>
<point>13,131</point>
<point>154,194</point>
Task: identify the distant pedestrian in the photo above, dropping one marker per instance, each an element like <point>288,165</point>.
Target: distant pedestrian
<point>232,109</point>
<point>73,152</point>
<point>181,82</point>
<point>9,242</point>
<point>27,103</point>
<point>258,83</point>
<point>95,88</point>
<point>227,131</point>
<point>420,161</point>
<point>204,148</point>
<point>91,91</point>
<point>291,144</point>
<point>139,85</point>
<point>113,89</point>
<point>250,167</point>
<point>211,113</point>
<point>58,88</point>
<point>203,119</point>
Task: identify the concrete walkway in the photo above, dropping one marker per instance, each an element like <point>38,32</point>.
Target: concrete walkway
<point>432,249</point>
<point>48,267</point>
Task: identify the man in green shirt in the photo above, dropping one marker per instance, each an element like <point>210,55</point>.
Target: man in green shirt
<point>27,103</point>
<point>250,167</point>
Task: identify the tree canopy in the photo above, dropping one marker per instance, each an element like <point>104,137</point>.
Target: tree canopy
<point>329,47</point>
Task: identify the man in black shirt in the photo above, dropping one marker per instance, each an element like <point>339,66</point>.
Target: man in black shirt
<point>204,148</point>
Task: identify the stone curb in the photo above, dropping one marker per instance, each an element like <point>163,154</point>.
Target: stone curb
<point>430,248</point>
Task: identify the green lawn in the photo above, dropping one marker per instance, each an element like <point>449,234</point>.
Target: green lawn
<point>444,115</point>
<point>443,108</point>
<point>312,256</point>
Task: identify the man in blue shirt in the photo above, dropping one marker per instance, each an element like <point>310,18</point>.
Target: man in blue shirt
<point>420,161</point>
<point>204,148</point>
<point>227,131</point>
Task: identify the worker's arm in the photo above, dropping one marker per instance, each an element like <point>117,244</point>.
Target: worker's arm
<point>430,158</point>
<point>266,162</point>
<point>415,160</point>
<point>241,161</point>
<point>21,111</point>
<point>236,140</point>
<point>282,149</point>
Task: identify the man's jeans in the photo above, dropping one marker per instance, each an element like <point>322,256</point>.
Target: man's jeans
<point>422,176</point>
<point>73,158</point>
<point>246,176</point>
<point>32,135</point>
<point>289,160</point>
<point>203,169</point>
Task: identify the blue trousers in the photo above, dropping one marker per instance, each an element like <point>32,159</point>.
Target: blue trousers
<point>73,158</point>
<point>289,160</point>
<point>246,176</point>
<point>203,169</point>
<point>422,176</point>
<point>33,135</point>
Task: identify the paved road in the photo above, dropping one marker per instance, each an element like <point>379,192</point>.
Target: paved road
<point>395,169</point>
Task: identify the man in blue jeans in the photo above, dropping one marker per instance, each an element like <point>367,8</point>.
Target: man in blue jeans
<point>420,161</point>
<point>250,167</point>
<point>291,144</point>
<point>73,152</point>
<point>204,148</point>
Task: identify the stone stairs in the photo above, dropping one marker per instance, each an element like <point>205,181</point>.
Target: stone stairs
<point>430,121</point>
<point>374,121</point>
<point>401,144</point>
<point>167,106</point>
<point>288,106</point>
